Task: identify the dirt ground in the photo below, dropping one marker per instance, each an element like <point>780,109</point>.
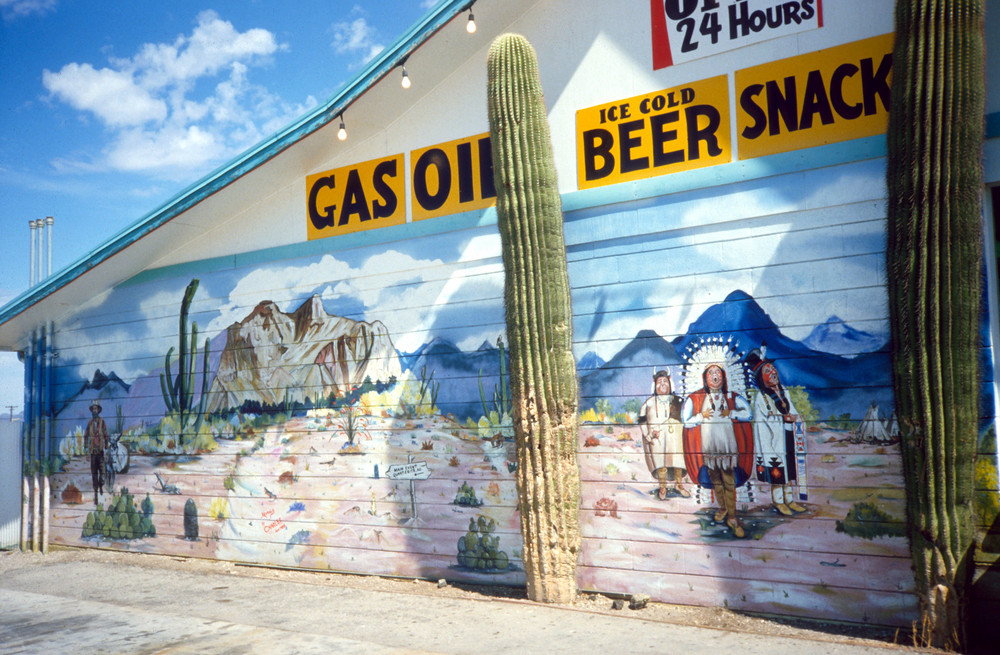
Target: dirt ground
<point>587,602</point>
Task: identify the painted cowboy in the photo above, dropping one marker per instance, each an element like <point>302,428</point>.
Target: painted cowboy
<point>97,441</point>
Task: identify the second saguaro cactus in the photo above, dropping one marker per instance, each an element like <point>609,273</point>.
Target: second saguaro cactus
<point>934,257</point>
<point>543,382</point>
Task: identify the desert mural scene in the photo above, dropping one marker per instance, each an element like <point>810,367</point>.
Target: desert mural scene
<point>351,412</point>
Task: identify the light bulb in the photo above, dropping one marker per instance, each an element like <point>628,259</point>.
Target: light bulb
<point>342,132</point>
<point>470,27</point>
<point>406,79</point>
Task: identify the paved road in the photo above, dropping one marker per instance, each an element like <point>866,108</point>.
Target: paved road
<point>95,607</point>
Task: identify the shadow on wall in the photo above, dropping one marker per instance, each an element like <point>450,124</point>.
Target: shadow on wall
<point>984,601</point>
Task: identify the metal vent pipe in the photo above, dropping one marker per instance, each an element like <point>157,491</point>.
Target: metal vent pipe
<point>34,248</point>
<point>48,237</point>
<point>40,258</point>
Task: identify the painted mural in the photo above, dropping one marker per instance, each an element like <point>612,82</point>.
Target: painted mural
<point>349,410</point>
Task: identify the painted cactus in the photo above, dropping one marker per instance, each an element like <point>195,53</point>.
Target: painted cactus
<point>543,382</point>
<point>479,549</point>
<point>934,256</point>
<point>190,520</point>
<point>178,393</point>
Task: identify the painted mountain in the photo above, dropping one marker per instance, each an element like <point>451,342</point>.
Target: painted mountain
<point>141,402</point>
<point>629,374</point>
<point>836,385</point>
<point>271,356</point>
<point>837,337</point>
<point>313,353</point>
<point>460,375</point>
<point>589,362</point>
<point>309,352</point>
<point>106,388</point>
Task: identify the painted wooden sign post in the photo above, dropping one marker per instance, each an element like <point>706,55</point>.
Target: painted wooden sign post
<point>410,471</point>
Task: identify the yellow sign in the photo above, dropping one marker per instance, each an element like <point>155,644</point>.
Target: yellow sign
<point>355,198</point>
<point>666,131</point>
<point>452,177</point>
<point>818,98</point>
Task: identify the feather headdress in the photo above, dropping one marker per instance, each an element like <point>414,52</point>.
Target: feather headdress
<point>714,350</point>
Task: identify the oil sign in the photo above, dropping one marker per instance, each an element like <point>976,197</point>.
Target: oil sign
<point>446,178</point>
<point>452,177</point>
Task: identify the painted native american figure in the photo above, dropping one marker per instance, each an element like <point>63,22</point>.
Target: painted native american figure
<point>718,438</point>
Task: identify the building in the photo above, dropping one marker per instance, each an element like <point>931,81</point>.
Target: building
<point>304,353</point>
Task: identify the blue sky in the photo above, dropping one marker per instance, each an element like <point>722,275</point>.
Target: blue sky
<point>111,108</point>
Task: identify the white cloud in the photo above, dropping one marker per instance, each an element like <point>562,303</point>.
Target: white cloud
<point>11,9</point>
<point>213,46</point>
<point>112,96</point>
<point>160,119</point>
<point>174,146</point>
<point>403,292</point>
<point>279,285</point>
<point>356,37</point>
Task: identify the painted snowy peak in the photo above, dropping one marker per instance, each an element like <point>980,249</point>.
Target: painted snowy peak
<point>837,337</point>
<point>272,356</point>
<point>836,384</point>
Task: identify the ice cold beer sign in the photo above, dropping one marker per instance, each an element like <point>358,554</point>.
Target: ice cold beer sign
<point>683,30</point>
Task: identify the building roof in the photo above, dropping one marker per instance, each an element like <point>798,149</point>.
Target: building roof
<point>133,248</point>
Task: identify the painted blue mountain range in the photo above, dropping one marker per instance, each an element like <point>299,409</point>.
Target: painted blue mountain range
<point>459,373</point>
<point>836,384</point>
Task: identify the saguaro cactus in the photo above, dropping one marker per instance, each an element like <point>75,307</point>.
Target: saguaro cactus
<point>543,382</point>
<point>190,520</point>
<point>934,258</point>
<point>178,394</point>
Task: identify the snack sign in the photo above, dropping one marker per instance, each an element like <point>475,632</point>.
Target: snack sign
<point>813,99</point>
<point>683,30</point>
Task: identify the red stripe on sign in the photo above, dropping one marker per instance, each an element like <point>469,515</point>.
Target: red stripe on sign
<point>819,13</point>
<point>661,40</point>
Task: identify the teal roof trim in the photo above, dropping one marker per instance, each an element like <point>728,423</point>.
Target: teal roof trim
<point>222,177</point>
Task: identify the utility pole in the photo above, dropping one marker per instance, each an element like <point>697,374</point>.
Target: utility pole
<point>11,408</point>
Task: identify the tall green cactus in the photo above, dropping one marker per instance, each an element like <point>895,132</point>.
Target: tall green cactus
<point>178,393</point>
<point>934,257</point>
<point>544,386</point>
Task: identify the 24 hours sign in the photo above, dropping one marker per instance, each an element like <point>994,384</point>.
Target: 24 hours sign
<point>683,30</point>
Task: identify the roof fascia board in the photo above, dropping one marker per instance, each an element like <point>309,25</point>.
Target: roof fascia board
<point>256,156</point>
